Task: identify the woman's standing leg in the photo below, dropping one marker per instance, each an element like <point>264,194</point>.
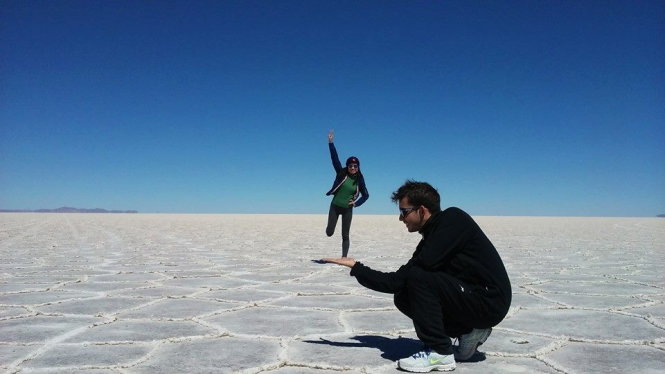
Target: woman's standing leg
<point>347,216</point>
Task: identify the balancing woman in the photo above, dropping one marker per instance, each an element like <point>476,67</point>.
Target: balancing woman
<point>348,191</point>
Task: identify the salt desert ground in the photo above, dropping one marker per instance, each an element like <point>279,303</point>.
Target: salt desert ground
<point>148,293</point>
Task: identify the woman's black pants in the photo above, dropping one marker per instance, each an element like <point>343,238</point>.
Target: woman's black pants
<point>347,215</point>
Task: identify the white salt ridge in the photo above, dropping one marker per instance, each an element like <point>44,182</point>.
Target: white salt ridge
<point>144,293</point>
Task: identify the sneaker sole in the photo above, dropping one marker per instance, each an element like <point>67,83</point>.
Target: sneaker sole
<point>448,367</point>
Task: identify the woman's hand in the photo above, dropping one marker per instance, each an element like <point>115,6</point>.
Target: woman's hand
<point>331,136</point>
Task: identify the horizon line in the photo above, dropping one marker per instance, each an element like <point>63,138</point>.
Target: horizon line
<point>133,212</point>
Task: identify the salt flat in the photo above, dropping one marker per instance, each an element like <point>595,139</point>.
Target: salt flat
<point>143,293</point>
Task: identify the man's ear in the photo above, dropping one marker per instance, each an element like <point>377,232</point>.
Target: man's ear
<point>424,212</point>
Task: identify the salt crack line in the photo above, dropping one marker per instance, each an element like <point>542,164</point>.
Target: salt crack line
<point>611,276</point>
<point>551,347</point>
<point>210,325</point>
<point>658,322</point>
<point>155,347</point>
<point>396,333</point>
<point>20,316</point>
<point>262,368</point>
<point>171,339</point>
<point>322,366</point>
<point>229,310</point>
<point>282,359</point>
<point>553,364</point>
<point>256,303</point>
<point>61,285</point>
<point>513,311</point>
<point>343,323</point>
<point>578,339</point>
<point>331,293</point>
<point>284,344</point>
<point>648,319</point>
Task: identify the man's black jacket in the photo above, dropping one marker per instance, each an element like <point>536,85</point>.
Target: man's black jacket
<point>454,244</point>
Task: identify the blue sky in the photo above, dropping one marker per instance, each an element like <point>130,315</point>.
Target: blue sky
<point>507,107</point>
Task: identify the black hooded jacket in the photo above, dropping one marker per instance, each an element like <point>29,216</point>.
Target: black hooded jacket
<point>452,243</point>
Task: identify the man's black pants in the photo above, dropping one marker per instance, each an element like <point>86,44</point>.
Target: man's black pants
<point>442,307</point>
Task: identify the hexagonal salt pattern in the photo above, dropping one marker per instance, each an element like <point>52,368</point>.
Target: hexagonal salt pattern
<point>125,294</point>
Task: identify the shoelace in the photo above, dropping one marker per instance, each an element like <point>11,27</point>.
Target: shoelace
<point>423,353</point>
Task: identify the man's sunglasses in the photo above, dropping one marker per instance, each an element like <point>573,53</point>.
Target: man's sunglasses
<point>403,212</point>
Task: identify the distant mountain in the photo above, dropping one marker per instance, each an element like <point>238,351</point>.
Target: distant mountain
<point>661,215</point>
<point>66,209</point>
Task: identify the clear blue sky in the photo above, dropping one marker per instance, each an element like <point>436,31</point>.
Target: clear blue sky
<point>507,107</point>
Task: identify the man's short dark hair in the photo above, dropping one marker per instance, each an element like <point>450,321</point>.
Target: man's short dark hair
<point>419,193</point>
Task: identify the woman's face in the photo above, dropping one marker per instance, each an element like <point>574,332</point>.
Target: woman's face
<point>352,168</point>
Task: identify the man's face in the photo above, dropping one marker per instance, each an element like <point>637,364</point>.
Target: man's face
<point>411,215</point>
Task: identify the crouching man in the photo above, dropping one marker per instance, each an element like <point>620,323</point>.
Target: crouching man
<point>454,286</point>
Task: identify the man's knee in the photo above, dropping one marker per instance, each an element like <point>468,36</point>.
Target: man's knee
<point>330,232</point>
<point>422,284</point>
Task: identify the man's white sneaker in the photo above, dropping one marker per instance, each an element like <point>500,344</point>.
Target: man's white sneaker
<point>468,343</point>
<point>426,361</point>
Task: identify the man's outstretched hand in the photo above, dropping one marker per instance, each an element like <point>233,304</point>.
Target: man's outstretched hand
<point>344,261</point>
